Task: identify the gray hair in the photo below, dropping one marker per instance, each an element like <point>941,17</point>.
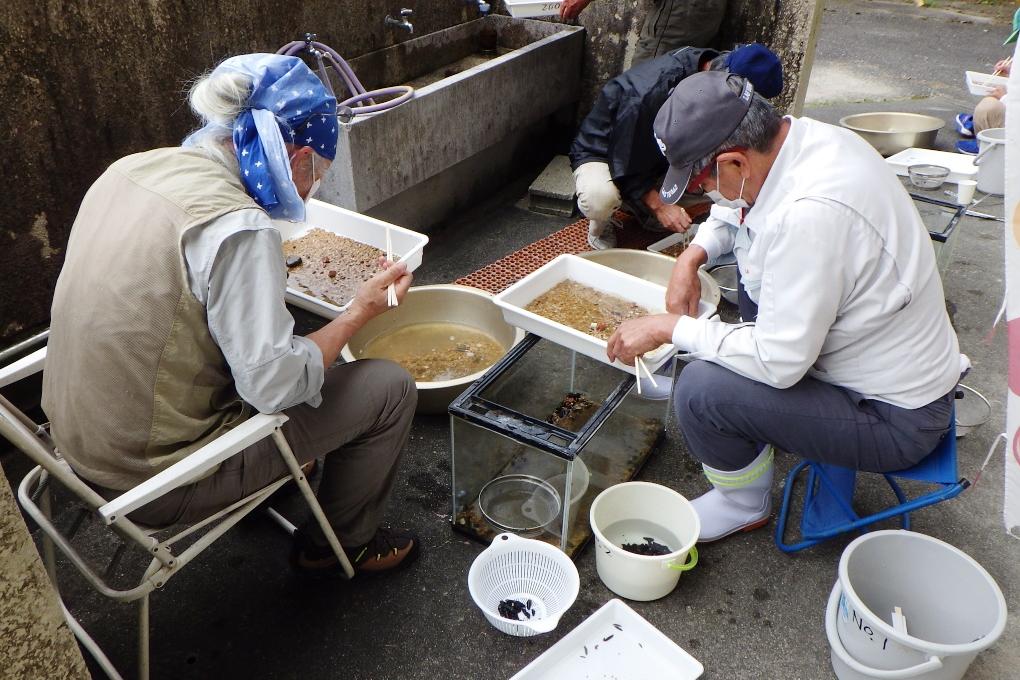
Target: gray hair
<point>756,131</point>
<point>218,99</point>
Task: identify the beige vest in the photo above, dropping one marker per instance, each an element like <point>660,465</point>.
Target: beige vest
<point>133,380</point>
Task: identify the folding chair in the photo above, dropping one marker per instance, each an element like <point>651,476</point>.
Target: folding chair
<point>34,496</point>
<point>829,492</point>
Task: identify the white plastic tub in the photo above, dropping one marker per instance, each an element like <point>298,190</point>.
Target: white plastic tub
<point>407,245</point>
<point>529,8</point>
<point>634,649</point>
<point>981,84</point>
<point>514,299</point>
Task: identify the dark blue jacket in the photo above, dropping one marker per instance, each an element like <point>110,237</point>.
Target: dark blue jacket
<point>618,131</point>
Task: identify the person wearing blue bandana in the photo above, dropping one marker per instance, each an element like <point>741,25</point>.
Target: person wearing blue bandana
<point>175,273</point>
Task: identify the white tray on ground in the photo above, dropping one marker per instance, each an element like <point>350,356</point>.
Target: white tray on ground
<point>532,8</point>
<point>636,650</point>
<point>961,166</point>
<point>981,84</point>
<point>514,299</point>
<point>407,245</point>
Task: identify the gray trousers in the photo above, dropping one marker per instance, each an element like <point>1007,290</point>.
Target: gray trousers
<point>360,427</point>
<point>726,417</point>
<point>672,24</point>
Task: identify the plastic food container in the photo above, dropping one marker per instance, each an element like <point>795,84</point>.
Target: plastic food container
<point>982,84</point>
<point>927,176</point>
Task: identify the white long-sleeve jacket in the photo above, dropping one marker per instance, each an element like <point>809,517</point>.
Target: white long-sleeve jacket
<point>843,271</point>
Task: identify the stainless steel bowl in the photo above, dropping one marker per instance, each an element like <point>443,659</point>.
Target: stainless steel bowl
<point>725,276</point>
<point>430,304</point>
<point>654,267</point>
<point>891,132</point>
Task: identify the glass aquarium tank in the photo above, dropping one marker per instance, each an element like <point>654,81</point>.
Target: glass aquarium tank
<point>539,436</point>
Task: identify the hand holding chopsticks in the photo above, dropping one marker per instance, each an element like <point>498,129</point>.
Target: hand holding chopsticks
<point>1003,66</point>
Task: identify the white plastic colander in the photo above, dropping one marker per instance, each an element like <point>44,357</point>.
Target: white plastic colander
<point>526,570</point>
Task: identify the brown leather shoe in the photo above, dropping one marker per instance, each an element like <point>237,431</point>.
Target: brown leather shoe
<point>387,551</point>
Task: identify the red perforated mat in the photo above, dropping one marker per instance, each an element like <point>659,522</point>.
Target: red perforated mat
<point>572,239</point>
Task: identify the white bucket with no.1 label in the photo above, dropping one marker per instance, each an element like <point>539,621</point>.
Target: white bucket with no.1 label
<point>912,603</point>
<point>991,161</point>
<point>639,512</point>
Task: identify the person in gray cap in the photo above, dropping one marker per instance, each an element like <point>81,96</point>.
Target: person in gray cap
<point>848,356</point>
<point>614,156</point>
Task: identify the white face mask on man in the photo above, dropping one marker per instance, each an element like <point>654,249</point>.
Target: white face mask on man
<point>720,200</point>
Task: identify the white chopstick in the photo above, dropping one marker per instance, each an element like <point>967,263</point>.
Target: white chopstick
<point>391,293</point>
<point>641,365</point>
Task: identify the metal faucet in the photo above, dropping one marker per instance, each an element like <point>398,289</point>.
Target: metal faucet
<point>483,7</point>
<point>402,22</point>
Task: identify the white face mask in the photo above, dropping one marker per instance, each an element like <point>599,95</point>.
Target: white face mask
<point>720,200</point>
<point>315,183</point>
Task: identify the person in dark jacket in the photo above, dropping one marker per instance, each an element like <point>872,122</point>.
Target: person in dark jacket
<point>615,157</point>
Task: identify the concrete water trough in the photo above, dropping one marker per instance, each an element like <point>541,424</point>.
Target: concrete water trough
<point>466,103</point>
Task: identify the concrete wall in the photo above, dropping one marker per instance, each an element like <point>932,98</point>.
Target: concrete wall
<point>86,83</point>
<point>36,642</point>
<point>787,26</point>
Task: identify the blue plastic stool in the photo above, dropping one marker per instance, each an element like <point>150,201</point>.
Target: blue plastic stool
<point>829,493</point>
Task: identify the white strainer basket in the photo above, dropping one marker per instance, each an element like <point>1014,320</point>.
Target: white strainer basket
<point>523,569</point>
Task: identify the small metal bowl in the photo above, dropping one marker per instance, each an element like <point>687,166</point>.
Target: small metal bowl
<point>502,502</point>
<point>726,276</point>
<point>925,176</point>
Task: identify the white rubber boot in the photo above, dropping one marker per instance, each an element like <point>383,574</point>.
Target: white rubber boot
<point>740,501</point>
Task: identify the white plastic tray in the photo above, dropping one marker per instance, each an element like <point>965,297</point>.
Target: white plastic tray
<point>407,245</point>
<point>981,84</point>
<point>670,240</point>
<point>531,8</point>
<point>961,166</point>
<point>514,299</point>
<point>637,650</point>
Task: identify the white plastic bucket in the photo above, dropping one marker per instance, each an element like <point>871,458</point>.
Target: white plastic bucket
<point>991,161</point>
<point>630,513</point>
<point>848,668</point>
<point>952,607</point>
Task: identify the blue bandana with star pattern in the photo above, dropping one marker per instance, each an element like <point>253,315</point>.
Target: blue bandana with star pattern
<point>288,104</point>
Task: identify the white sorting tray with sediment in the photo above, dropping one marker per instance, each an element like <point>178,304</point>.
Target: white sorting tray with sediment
<point>408,246</point>
<point>517,297</point>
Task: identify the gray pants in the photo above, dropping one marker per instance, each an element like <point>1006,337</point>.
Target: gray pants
<point>672,24</point>
<point>725,418</point>
<point>360,427</point>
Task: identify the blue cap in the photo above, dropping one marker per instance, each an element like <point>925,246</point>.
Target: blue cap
<point>760,65</point>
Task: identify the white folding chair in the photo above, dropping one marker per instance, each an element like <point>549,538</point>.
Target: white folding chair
<point>34,496</point>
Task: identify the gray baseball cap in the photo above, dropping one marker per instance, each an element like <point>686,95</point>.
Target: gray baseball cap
<point>700,114</point>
